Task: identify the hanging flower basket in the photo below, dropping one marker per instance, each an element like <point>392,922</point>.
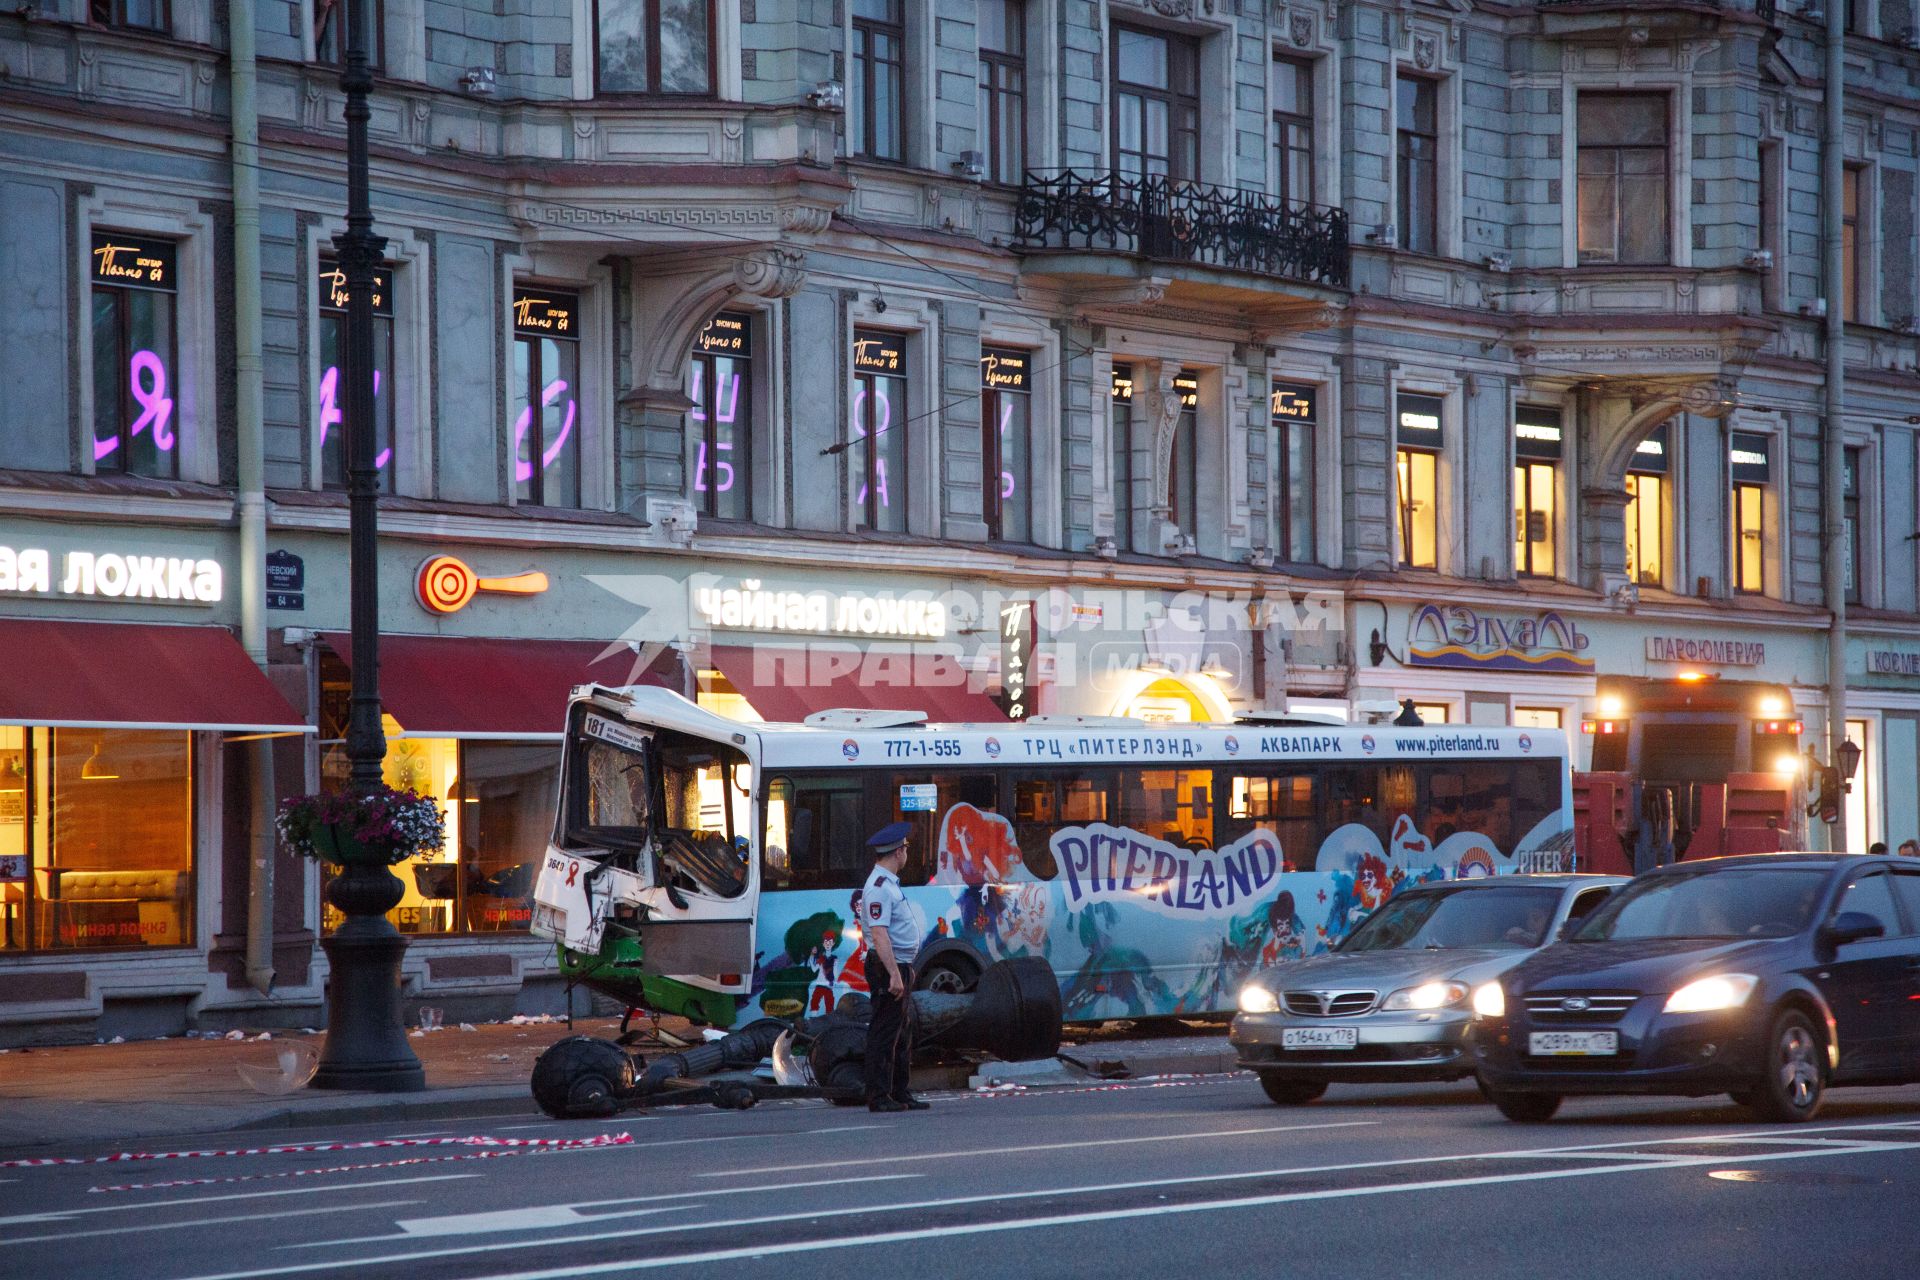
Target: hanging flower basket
<point>380,829</point>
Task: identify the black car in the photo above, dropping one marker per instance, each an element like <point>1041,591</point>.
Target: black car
<point>1769,977</point>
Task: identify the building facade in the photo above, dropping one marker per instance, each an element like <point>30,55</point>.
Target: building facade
<point>1267,354</point>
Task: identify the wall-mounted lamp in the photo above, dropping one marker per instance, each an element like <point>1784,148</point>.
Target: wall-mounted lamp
<point>96,769</point>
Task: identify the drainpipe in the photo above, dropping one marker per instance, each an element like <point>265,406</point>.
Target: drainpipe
<point>252,473</point>
<point>1833,452</point>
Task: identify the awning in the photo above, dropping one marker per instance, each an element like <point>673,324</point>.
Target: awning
<point>126,675</point>
<point>472,687</point>
<point>787,684</point>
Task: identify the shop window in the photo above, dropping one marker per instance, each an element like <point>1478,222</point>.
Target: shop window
<point>1850,511</point>
<point>1853,276</point>
<point>1646,515</point>
<point>1536,487</point>
<point>1750,459</point>
<point>1292,105</point>
<point>720,385</point>
<point>1295,414</point>
<point>330,32</point>
<point>876,91</point>
<point>1156,104</point>
<point>1120,424</point>
<point>331,408</point>
<point>1417,460</point>
<point>1002,28</point>
<point>879,430</point>
<point>96,839</point>
<point>1417,118</point>
<point>1183,470</point>
<point>546,389</point>
<point>1434,712</point>
<point>1623,198</point>
<point>1538,718</point>
<point>132,15</point>
<point>1006,444</point>
<point>135,304</point>
<point>655,46</point>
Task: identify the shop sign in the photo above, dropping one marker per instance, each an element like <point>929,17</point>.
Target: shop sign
<point>447,584</point>
<point>1892,662</point>
<point>28,571</point>
<point>1016,654</point>
<point>539,313</point>
<point>749,607</point>
<point>1456,636</point>
<point>132,260</point>
<point>1123,382</point>
<point>1186,385</point>
<point>875,352</point>
<point>1537,433</point>
<point>1706,652</point>
<point>333,288</point>
<point>725,335</point>
<point>286,581</point>
<point>1004,368</point>
<point>1293,402</point>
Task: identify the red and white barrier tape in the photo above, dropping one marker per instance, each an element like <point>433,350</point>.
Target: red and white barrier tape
<point>1014,1089</point>
<point>543,1147</point>
<point>291,1148</point>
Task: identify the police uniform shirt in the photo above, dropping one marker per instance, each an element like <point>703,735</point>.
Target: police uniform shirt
<point>884,906</point>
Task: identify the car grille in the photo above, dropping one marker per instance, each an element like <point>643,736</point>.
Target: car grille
<point>1329,1004</point>
<point>1587,1006</point>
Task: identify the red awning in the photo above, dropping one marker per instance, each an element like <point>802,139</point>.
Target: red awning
<point>127,675</point>
<point>787,684</point>
<point>472,687</point>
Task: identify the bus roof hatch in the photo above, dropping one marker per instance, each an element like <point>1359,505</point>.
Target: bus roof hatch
<point>861,718</point>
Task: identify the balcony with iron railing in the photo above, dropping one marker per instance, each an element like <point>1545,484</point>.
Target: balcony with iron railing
<point>1162,220</point>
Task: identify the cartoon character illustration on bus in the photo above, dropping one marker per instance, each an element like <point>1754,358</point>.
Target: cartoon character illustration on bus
<point>1113,981</point>
<point>1000,910</point>
<point>1266,935</point>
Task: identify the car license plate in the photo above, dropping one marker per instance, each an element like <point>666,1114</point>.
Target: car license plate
<point>1573,1044</point>
<point>1319,1037</point>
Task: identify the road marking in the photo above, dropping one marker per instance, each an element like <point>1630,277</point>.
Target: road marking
<point>91,1232</point>
<point>335,1264</point>
<point>874,1157</point>
<point>62,1215</point>
<point>533,1218</point>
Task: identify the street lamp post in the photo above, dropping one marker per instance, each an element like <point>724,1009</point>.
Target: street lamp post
<point>366,1043</point>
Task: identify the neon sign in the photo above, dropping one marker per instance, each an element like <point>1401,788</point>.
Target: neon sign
<point>330,409</point>
<point>156,407</point>
<point>726,407</point>
<point>523,467</point>
<point>883,415</point>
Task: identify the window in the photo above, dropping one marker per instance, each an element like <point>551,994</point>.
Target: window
<point>1293,129</point>
<point>877,92</point>
<point>1295,414</point>
<point>330,32</point>
<point>1646,514</point>
<point>96,839</point>
<point>1183,471</point>
<point>655,46</point>
<point>1174,805</point>
<point>816,833</point>
<point>1417,117</point>
<point>1536,483</point>
<point>1002,27</point>
<point>720,384</point>
<point>1853,275</point>
<point>1156,105</point>
<point>1623,206</point>
<point>1417,459</point>
<point>1120,429</point>
<point>1043,805</point>
<point>1285,805</point>
<point>1769,211</point>
<point>1751,466</point>
<point>1006,445</point>
<point>134,342</point>
<point>977,846</point>
<point>1537,718</point>
<point>1906,888</point>
<point>1850,513</point>
<point>546,386</point>
<point>133,15</point>
<point>1434,712</point>
<point>879,430</point>
<point>1872,895</point>
<point>333,392</point>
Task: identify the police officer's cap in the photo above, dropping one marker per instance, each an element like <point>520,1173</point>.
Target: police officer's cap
<point>888,838</point>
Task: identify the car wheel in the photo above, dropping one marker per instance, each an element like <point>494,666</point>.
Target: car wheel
<point>1527,1108</point>
<point>1291,1093</point>
<point>1792,1078</point>
<point>950,974</point>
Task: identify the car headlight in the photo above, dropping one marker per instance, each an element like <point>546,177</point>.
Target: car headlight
<point>1706,995</point>
<point>1255,998</point>
<point>1428,995</point>
<point>1490,1000</point>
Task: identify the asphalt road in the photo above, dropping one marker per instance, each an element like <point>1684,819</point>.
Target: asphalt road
<point>1192,1178</point>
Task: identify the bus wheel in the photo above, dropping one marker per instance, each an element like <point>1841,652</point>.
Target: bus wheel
<point>1288,1092</point>
<point>952,974</point>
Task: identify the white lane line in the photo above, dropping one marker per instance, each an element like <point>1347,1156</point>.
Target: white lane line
<point>874,1157</point>
<point>148,1206</point>
<point>847,1128</point>
<point>991,1198</point>
<point>532,1218</point>
<point>91,1232</point>
<point>1110,1215</point>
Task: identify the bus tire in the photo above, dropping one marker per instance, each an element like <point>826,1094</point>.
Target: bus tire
<point>949,973</point>
<point>1288,1092</point>
<point>582,1077</point>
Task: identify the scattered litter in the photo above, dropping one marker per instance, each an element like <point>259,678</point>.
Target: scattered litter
<point>417,1034</point>
<point>236,1034</point>
<point>532,1019</point>
<point>997,1085</point>
<point>289,1069</point>
<point>499,1057</point>
<point>308,1031</point>
<point>264,1035</point>
<point>118,1040</point>
<point>468,1026</point>
<point>713,1033</point>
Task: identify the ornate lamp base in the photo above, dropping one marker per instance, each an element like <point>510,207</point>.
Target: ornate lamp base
<point>366,1041</point>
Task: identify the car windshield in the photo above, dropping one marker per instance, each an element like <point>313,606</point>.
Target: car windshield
<point>1513,918</point>
<point>1736,902</point>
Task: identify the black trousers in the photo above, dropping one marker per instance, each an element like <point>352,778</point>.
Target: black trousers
<point>890,1034</point>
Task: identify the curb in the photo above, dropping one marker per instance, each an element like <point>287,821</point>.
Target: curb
<point>356,1110</point>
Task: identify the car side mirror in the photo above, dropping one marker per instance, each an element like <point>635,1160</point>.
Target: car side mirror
<point>1851,926</point>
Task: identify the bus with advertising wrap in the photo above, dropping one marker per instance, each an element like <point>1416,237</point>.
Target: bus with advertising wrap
<point>712,868</point>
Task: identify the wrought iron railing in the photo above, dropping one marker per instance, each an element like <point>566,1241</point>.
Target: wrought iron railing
<point>1172,221</point>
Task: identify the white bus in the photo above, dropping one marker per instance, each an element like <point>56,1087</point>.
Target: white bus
<point>711,867</point>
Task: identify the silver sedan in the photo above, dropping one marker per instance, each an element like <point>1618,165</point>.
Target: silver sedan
<point>1391,1002</point>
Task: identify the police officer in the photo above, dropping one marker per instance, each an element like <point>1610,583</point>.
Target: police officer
<point>893,940</point>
